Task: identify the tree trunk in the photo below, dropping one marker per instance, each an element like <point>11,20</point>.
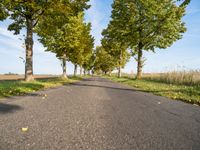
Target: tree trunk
<point>64,68</point>
<point>120,67</point>
<point>110,73</point>
<point>84,71</point>
<point>81,70</point>
<point>29,51</point>
<point>75,70</point>
<point>140,64</point>
<point>119,72</point>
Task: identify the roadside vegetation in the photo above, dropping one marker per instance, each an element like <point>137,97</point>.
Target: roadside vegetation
<point>190,78</point>
<point>135,27</point>
<point>183,85</point>
<point>139,26</point>
<point>20,87</point>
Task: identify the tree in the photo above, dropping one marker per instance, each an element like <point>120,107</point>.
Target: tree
<point>61,34</point>
<point>89,64</point>
<point>82,47</point>
<point>114,40</point>
<point>116,48</point>
<point>147,25</point>
<point>26,14</point>
<point>57,35</point>
<point>88,45</point>
<point>104,62</point>
<point>68,37</point>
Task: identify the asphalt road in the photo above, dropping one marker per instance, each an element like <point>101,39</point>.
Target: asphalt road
<point>97,114</point>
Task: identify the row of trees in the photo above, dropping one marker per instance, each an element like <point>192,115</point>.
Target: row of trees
<point>110,58</point>
<point>69,38</point>
<point>137,26</point>
<point>60,26</point>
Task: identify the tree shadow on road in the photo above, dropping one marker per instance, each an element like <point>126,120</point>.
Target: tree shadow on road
<point>97,80</point>
<point>100,86</point>
<point>9,108</point>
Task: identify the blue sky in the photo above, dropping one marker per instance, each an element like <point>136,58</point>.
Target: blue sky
<point>184,54</point>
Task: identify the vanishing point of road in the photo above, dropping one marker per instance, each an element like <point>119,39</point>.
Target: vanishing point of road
<point>97,114</point>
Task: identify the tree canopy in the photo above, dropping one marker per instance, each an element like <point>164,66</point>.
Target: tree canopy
<point>27,14</point>
<point>104,62</point>
<point>136,26</point>
<point>146,25</point>
<point>68,37</point>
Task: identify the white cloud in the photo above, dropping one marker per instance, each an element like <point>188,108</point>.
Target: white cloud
<point>96,16</point>
<point>11,49</point>
<point>9,39</point>
<point>16,41</point>
<point>193,11</point>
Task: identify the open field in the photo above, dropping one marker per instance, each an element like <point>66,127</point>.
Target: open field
<point>168,85</point>
<point>177,77</point>
<point>13,86</point>
<point>21,77</point>
<point>191,77</point>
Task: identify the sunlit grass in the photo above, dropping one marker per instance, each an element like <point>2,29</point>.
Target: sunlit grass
<point>187,93</point>
<point>18,88</point>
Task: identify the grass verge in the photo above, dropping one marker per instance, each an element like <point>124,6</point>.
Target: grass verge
<point>20,88</point>
<point>189,94</point>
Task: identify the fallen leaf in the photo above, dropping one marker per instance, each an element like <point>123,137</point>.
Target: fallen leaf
<point>25,129</point>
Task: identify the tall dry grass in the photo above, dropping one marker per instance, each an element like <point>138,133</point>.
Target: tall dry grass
<point>191,77</point>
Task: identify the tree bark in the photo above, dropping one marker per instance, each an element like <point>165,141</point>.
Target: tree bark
<point>75,69</point>
<point>81,70</point>
<point>110,72</point>
<point>29,51</point>
<point>84,71</point>
<point>120,67</point>
<point>64,68</point>
<point>119,72</point>
<point>140,63</point>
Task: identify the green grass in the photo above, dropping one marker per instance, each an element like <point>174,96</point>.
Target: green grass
<point>190,94</point>
<point>19,88</point>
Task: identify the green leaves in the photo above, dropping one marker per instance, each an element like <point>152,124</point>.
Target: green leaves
<point>82,42</point>
<point>104,61</point>
<point>3,11</point>
<point>184,2</point>
<point>145,24</point>
<point>67,35</point>
<point>50,20</point>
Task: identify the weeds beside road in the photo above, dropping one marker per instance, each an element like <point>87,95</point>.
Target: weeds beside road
<point>187,93</point>
<point>19,88</point>
<point>153,84</point>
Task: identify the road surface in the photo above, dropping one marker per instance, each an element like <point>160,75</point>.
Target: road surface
<point>97,114</point>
